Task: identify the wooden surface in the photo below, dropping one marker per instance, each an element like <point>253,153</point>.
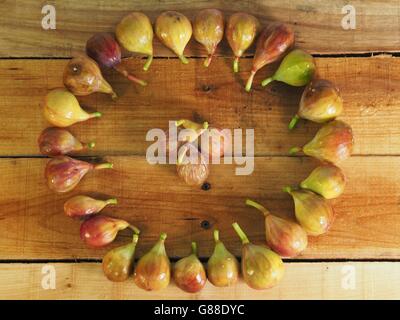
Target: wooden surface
<point>34,230</point>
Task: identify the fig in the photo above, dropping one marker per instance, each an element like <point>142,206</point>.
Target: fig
<point>286,238</point>
<point>118,262</point>
<point>189,273</point>
<point>174,30</point>
<point>272,43</point>
<point>208,29</point>
<point>82,206</point>
<point>195,129</point>
<point>99,231</point>
<point>62,109</point>
<point>82,76</point>
<point>64,173</point>
<point>261,267</point>
<point>321,102</point>
<point>333,143</point>
<point>105,50</point>
<point>312,211</point>
<point>153,270</point>
<point>57,141</point>
<point>222,267</point>
<point>192,166</point>
<point>216,143</point>
<point>241,30</point>
<point>327,180</point>
<point>296,69</point>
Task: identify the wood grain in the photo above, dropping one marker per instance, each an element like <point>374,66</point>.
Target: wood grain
<point>301,281</point>
<point>33,225</point>
<point>370,88</point>
<point>317,24</point>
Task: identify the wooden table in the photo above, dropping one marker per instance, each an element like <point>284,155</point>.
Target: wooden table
<point>358,258</point>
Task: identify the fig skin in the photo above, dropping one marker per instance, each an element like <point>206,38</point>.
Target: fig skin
<point>286,238</point>
<point>62,109</point>
<point>320,102</point>
<point>64,173</point>
<point>153,270</point>
<point>81,206</point>
<point>208,29</point>
<point>219,143</point>
<point>333,143</point>
<point>327,180</point>
<point>296,69</point>
<point>55,141</point>
<point>118,262</point>
<point>99,231</point>
<point>241,30</point>
<point>261,267</point>
<point>82,76</point>
<point>313,212</point>
<point>189,273</point>
<point>272,43</point>
<point>174,30</point>
<point>222,268</point>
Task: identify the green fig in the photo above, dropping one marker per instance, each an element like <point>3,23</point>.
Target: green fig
<point>241,31</point>
<point>312,211</point>
<point>174,30</point>
<point>286,238</point>
<point>261,267</point>
<point>153,270</point>
<point>321,102</point>
<point>296,69</point>
<point>327,180</point>
<point>222,267</point>
<point>189,273</point>
<point>118,263</point>
<point>332,143</point>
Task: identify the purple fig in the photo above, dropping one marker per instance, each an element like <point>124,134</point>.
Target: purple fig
<point>81,206</point>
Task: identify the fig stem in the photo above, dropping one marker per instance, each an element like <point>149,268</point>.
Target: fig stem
<point>95,115</point>
<point>236,65</point>
<point>194,248</point>
<point>258,206</point>
<point>287,189</point>
<point>181,154</point>
<point>293,122</point>
<point>106,165</point>
<point>267,81</point>
<point>250,81</point>
<point>111,201</point>
<point>163,236</point>
<point>135,238</point>
<point>114,96</point>
<point>294,150</point>
<point>183,59</point>
<point>148,63</point>
<point>134,229</point>
<point>216,235</point>
<point>131,77</point>
<point>240,233</point>
<point>207,61</point>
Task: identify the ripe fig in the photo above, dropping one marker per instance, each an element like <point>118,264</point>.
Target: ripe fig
<point>327,180</point>
<point>192,166</point>
<point>321,102</point>
<point>296,69</point>
<point>82,206</point>
<point>313,212</point>
<point>118,262</point>
<point>261,267</point>
<point>99,231</point>
<point>57,141</point>
<point>174,30</point>
<point>153,270</point>
<point>241,31</point>
<point>208,29</point>
<point>333,143</point>
<point>286,238</point>
<point>222,267</point>
<point>64,173</point>
<point>62,109</point>
<point>189,273</point>
<point>216,143</point>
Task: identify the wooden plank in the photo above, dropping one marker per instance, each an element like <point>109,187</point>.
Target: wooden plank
<point>370,88</point>
<point>33,225</point>
<point>318,25</point>
<point>301,281</point>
